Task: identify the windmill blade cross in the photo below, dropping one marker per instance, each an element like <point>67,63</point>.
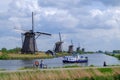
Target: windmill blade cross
<point>43,33</point>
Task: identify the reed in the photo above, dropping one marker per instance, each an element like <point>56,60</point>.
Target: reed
<point>64,74</point>
<point>25,56</point>
<point>40,55</point>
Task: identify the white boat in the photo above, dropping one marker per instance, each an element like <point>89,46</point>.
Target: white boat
<point>75,59</point>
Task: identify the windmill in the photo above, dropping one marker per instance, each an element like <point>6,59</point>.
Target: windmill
<point>58,45</point>
<point>29,39</point>
<point>70,48</point>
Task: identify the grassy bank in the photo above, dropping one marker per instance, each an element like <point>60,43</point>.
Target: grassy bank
<point>28,56</point>
<point>115,55</point>
<point>65,74</point>
<point>24,56</point>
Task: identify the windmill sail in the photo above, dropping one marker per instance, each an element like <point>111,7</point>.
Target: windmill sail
<point>32,22</point>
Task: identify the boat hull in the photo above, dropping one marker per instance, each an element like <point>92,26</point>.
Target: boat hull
<point>79,61</point>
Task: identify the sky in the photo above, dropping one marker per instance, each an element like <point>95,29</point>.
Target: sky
<point>90,24</point>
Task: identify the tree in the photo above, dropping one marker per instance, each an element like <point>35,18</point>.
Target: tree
<point>4,53</point>
<point>15,50</point>
<point>4,50</point>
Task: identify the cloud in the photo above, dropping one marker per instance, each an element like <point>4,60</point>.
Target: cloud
<point>51,15</point>
<point>9,42</point>
<point>110,2</point>
<point>87,22</point>
<point>68,4</point>
<point>24,6</point>
<point>59,3</point>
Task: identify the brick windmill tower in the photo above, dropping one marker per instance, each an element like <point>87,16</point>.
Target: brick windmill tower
<point>78,48</point>
<point>29,40</point>
<point>58,45</point>
<point>70,48</point>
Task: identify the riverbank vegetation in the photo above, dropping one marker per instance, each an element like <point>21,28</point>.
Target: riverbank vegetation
<point>64,74</point>
<point>15,54</point>
<point>39,55</point>
<point>117,55</point>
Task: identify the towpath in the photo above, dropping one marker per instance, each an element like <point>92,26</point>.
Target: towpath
<point>9,71</point>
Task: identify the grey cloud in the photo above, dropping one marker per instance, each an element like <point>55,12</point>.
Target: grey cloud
<point>50,14</point>
<point>65,4</point>
<point>67,16</point>
<point>110,2</point>
<point>69,4</point>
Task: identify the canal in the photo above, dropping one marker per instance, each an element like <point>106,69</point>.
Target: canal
<point>95,59</point>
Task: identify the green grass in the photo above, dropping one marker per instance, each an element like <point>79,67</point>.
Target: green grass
<point>115,55</point>
<point>105,70</point>
<point>2,69</point>
<point>27,68</point>
<point>92,66</point>
<point>118,56</point>
<point>62,74</point>
<point>29,56</point>
<point>71,66</point>
<point>4,56</point>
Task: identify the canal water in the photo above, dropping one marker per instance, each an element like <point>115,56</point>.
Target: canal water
<point>95,59</point>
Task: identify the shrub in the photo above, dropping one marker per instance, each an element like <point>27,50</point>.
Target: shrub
<point>4,56</point>
<point>91,65</point>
